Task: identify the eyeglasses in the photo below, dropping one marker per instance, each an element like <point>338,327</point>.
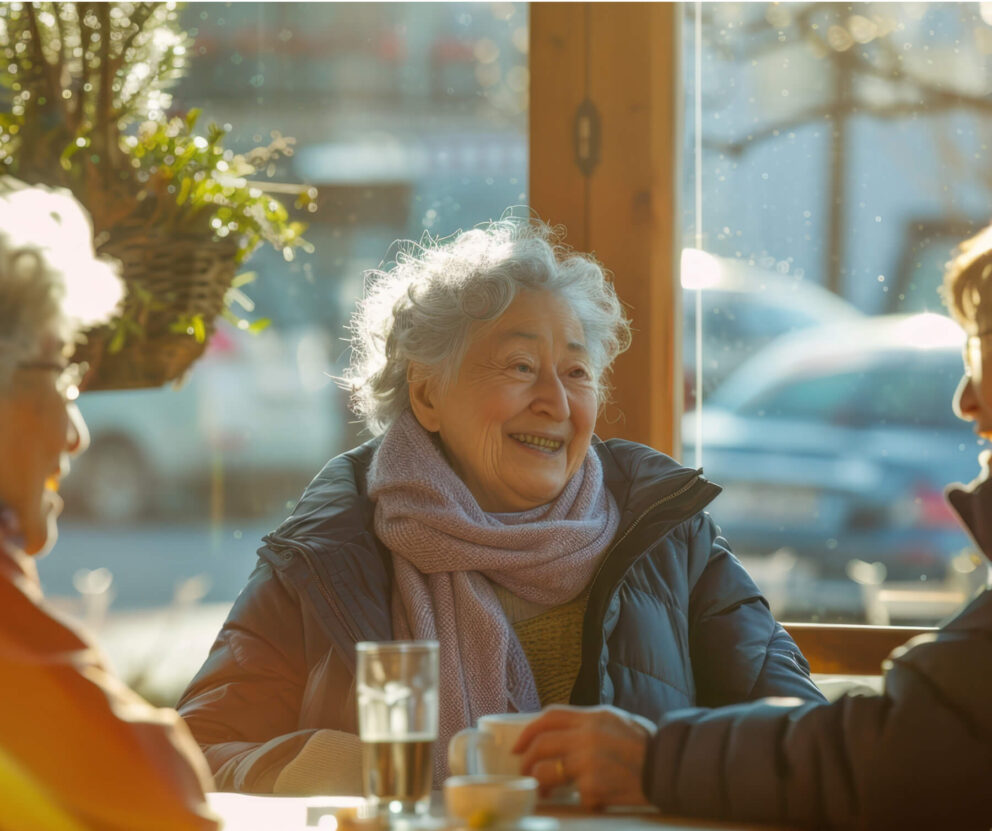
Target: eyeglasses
<point>68,375</point>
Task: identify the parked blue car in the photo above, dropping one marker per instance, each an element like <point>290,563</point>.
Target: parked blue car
<point>837,442</point>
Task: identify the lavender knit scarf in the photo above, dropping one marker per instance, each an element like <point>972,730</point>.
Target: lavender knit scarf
<point>446,549</point>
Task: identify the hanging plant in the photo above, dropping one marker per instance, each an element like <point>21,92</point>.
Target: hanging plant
<point>86,85</point>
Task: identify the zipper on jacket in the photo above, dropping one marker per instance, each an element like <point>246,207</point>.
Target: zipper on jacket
<point>664,500</point>
<point>668,497</point>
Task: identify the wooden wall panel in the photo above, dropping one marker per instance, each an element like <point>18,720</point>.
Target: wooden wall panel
<point>623,59</point>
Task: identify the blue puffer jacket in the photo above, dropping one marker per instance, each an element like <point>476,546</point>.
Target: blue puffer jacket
<point>673,619</point>
<point>917,756</point>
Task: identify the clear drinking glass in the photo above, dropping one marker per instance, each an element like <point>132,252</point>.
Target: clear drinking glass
<point>397,722</point>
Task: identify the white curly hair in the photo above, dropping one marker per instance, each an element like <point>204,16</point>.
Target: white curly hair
<point>52,284</point>
<point>424,309</point>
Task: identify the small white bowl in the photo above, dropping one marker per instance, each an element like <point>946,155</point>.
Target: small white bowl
<point>490,799</point>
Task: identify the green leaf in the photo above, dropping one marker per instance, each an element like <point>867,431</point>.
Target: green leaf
<point>117,341</point>
<point>199,329</point>
<point>244,279</point>
<point>235,295</point>
<point>124,327</point>
<point>259,325</point>
<point>184,189</point>
<point>232,318</point>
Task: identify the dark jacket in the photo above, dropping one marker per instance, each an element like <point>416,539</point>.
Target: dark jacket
<point>917,756</point>
<point>673,619</point>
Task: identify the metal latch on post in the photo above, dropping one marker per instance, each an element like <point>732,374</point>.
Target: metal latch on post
<point>588,134</point>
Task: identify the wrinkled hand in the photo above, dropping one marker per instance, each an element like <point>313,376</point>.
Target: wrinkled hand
<point>600,750</point>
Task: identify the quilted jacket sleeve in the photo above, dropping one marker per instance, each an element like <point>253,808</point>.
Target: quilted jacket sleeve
<point>739,651</point>
<point>243,706</point>
<point>917,756</point>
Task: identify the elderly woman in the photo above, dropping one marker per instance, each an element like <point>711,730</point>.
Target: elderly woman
<point>77,748</point>
<point>915,756</point>
<point>551,567</point>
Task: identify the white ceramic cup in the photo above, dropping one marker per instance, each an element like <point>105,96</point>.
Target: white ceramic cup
<point>487,749</point>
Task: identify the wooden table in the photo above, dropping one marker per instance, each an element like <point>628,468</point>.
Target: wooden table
<point>576,819</point>
<point>242,812</point>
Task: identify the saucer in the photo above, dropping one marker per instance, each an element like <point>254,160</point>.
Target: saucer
<point>490,801</point>
<point>531,823</point>
<point>562,795</point>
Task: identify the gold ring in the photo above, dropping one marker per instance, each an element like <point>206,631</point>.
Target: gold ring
<point>560,770</point>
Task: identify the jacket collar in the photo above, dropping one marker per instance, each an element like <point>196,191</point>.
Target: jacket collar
<point>973,504</point>
<point>638,476</point>
<point>335,507</point>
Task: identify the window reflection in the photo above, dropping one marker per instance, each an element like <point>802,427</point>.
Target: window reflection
<point>843,148</point>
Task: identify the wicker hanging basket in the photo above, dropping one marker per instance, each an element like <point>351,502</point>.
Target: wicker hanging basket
<point>169,278</point>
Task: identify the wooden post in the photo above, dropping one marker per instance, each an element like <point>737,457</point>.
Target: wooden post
<point>604,146</point>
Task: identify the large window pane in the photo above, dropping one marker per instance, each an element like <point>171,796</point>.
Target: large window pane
<point>842,152</point>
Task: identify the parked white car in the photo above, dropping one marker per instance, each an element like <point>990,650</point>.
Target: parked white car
<point>256,412</point>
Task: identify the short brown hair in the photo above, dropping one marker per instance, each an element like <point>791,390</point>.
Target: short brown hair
<point>968,282</point>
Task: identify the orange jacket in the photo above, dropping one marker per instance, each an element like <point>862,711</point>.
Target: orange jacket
<point>110,761</point>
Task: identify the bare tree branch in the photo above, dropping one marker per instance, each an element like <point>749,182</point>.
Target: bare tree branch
<point>73,106</point>
<point>737,147</point>
<point>54,96</point>
<point>86,40</point>
<point>139,17</point>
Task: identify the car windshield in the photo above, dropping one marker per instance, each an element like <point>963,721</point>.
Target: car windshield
<point>886,389</point>
<point>746,316</point>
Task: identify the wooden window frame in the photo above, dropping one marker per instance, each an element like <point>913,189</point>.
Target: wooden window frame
<point>604,140</point>
<point>836,649</point>
<point>605,136</point>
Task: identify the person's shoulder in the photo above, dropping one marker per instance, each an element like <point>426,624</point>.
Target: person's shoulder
<point>635,468</point>
<point>631,457</point>
<point>957,655</point>
<point>344,473</point>
<point>334,508</point>
<point>18,572</point>
<point>31,630</point>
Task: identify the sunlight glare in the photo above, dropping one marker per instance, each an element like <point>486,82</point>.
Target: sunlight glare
<point>700,270</point>
<point>930,331</point>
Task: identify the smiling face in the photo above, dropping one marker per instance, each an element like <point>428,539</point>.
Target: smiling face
<point>39,430</point>
<point>973,400</point>
<point>516,422</point>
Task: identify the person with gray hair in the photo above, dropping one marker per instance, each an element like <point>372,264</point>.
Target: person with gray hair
<point>484,514</point>
<point>77,748</point>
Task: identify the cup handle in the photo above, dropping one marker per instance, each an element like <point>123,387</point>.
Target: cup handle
<point>467,751</point>
<point>461,746</point>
